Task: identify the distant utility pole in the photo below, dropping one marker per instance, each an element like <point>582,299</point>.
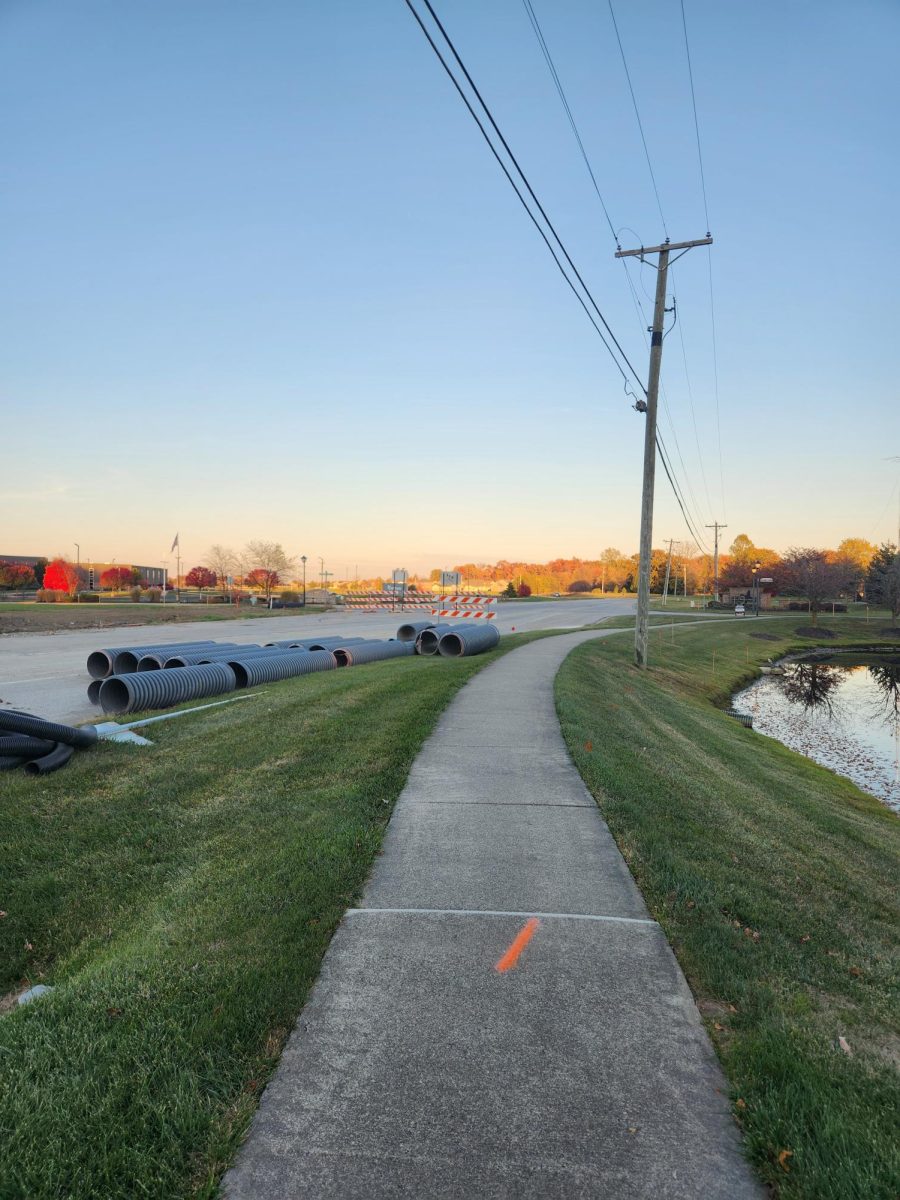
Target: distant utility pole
<point>668,569</point>
<point>716,526</point>
<point>642,627</point>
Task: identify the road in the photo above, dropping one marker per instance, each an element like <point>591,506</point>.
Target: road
<point>45,673</point>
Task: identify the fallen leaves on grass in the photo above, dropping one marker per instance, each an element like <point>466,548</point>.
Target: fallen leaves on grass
<point>844,1045</point>
<point>783,1157</point>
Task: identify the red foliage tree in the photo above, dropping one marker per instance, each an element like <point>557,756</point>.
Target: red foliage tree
<point>201,577</point>
<point>115,578</point>
<point>16,575</point>
<point>523,590</point>
<point>261,580</point>
<point>61,576</point>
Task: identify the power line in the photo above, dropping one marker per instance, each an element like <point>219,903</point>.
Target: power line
<point>641,317</point>
<point>522,199</point>
<point>521,173</point>
<point>538,32</point>
<point>687,50</point>
<point>638,115</point>
<point>712,303</point>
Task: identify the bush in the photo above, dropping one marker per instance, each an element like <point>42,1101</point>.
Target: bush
<point>154,594</point>
<point>51,596</point>
<point>290,597</point>
<point>135,594</point>
<point>88,597</point>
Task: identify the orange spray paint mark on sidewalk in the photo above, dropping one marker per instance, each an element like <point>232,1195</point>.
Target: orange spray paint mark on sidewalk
<point>521,940</point>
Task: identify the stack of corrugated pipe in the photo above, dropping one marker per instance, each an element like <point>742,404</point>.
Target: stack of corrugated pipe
<point>452,640</point>
<point>133,678</point>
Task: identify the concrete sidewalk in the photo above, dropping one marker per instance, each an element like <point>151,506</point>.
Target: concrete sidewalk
<point>419,1069</point>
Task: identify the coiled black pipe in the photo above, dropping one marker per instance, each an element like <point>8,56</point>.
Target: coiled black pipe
<point>18,722</point>
<point>474,639</point>
<point>427,641</point>
<point>411,631</point>
<point>155,660</point>
<point>58,757</point>
<point>22,746</point>
<point>102,663</point>
<point>9,762</point>
<point>269,668</point>
<point>355,656</point>
<point>162,689</point>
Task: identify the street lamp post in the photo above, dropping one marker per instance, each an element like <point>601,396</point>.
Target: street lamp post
<point>77,554</point>
<point>756,570</point>
<point>303,560</point>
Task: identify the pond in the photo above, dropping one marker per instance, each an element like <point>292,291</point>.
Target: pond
<point>842,713</point>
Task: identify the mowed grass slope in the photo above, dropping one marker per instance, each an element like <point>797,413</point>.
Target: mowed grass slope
<point>776,883</point>
<point>180,898</point>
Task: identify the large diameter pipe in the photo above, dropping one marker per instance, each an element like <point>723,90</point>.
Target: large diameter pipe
<point>94,690</point>
<point>326,643</point>
<point>474,639</point>
<point>19,722</point>
<point>162,689</point>
<point>193,658</point>
<point>411,631</point>
<point>269,668</point>
<point>355,656</point>
<point>427,641</point>
<point>155,660</point>
<point>102,663</point>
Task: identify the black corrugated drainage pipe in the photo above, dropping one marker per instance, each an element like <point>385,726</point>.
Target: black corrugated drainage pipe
<point>262,652</point>
<point>269,668</point>
<point>24,746</point>
<point>94,690</point>
<point>19,722</point>
<point>102,663</point>
<point>409,632</point>
<point>474,639</point>
<point>162,689</point>
<point>355,656</point>
<point>58,757</point>
<point>196,658</point>
<point>155,660</point>
<point>427,641</point>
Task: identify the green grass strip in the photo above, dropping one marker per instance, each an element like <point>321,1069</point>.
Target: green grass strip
<point>776,884</point>
<point>180,899</point>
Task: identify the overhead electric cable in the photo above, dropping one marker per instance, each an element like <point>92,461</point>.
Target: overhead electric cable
<point>522,200</point>
<point>538,32</point>
<point>523,177</point>
<point>638,115</point>
<point>712,303</point>
<point>639,312</point>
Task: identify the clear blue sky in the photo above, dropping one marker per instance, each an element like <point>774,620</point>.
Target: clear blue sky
<point>262,278</point>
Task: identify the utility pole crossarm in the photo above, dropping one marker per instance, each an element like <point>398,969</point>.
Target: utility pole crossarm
<point>707,241</point>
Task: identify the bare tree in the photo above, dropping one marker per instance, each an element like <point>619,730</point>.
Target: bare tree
<point>270,558</point>
<point>808,572</point>
<point>223,561</point>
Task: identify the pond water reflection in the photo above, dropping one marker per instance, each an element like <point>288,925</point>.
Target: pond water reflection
<point>844,715</point>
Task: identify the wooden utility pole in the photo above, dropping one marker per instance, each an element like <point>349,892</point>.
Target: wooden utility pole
<point>641,629</point>
<point>716,526</point>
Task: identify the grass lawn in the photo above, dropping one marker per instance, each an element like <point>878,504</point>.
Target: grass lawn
<point>180,898</point>
<point>25,617</point>
<point>776,883</point>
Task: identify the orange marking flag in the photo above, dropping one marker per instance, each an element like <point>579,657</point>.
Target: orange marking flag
<point>521,940</point>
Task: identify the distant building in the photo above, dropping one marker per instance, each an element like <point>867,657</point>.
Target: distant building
<point>155,576</point>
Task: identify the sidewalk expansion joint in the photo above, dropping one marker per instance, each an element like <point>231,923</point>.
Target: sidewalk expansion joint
<point>491,912</point>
